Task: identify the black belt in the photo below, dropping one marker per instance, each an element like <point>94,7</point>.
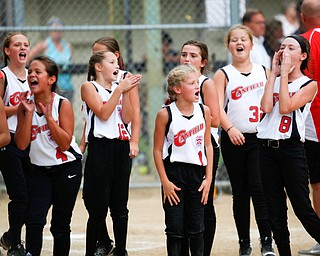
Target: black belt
<point>280,143</point>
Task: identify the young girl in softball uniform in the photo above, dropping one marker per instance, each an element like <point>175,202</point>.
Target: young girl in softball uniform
<point>240,87</point>
<point>110,44</point>
<point>108,111</point>
<point>183,154</point>
<point>4,131</point>
<point>105,244</point>
<point>46,124</point>
<point>286,104</point>
<point>196,53</point>
<point>14,163</point>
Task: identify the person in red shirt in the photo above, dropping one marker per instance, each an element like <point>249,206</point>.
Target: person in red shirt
<point>310,16</point>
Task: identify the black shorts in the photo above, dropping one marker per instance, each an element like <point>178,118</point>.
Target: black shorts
<point>313,158</point>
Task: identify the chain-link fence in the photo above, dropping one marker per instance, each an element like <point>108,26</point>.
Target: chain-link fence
<point>140,26</point>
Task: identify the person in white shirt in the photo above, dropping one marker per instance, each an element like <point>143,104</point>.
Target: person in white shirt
<point>255,20</point>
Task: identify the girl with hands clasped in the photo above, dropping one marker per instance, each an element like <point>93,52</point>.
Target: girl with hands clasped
<point>105,244</point>
<point>108,110</point>
<point>240,88</point>
<point>110,44</point>
<point>183,154</point>
<point>286,104</point>
<point>46,124</point>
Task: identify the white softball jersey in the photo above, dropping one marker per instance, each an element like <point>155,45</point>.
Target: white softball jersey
<point>243,95</point>
<point>184,141</point>
<point>44,151</point>
<point>113,128</point>
<point>214,131</point>
<point>278,126</point>
<point>12,93</point>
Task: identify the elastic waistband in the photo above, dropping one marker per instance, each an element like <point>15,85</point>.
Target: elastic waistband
<point>280,143</point>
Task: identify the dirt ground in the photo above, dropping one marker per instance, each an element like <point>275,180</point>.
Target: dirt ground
<point>146,227</point>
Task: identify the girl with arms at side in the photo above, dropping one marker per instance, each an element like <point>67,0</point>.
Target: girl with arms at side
<point>196,53</point>
<point>183,155</point>
<point>240,87</point>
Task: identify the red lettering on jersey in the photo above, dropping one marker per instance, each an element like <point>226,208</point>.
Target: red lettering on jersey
<point>15,99</point>
<point>181,137</point>
<point>61,155</point>
<point>35,129</point>
<point>276,97</point>
<point>239,91</point>
<point>200,157</point>
<point>123,133</point>
<point>291,94</point>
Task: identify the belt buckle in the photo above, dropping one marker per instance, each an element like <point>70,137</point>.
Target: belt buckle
<point>273,143</point>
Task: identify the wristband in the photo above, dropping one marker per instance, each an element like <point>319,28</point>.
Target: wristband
<point>229,128</point>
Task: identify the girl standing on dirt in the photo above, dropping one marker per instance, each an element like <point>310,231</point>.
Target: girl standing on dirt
<point>46,125</point>
<point>286,102</point>
<point>4,131</point>
<point>14,163</point>
<point>240,87</point>
<point>183,155</point>
<point>108,111</point>
<point>105,244</point>
<point>196,53</point>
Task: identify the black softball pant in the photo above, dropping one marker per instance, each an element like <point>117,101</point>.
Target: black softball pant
<point>210,220</point>
<point>58,187</point>
<point>285,173</point>
<point>106,185</point>
<point>186,219</point>
<point>242,164</point>
<point>15,166</point>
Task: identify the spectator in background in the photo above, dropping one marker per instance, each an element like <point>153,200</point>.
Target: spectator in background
<point>60,51</point>
<point>310,15</point>
<point>301,29</point>
<point>255,20</point>
<point>274,34</point>
<point>288,17</point>
<point>170,56</point>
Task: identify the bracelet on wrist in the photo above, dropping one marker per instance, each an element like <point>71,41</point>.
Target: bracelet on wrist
<point>229,128</point>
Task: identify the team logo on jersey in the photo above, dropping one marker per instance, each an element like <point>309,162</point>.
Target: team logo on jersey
<point>15,98</point>
<point>240,90</point>
<point>199,140</point>
<point>181,137</point>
